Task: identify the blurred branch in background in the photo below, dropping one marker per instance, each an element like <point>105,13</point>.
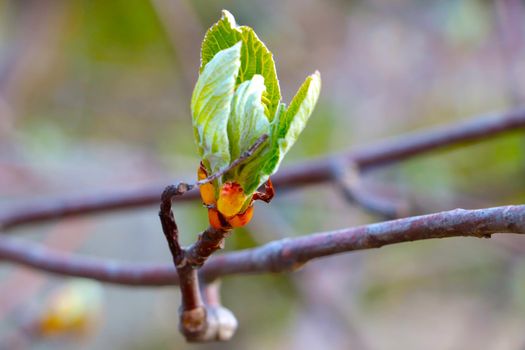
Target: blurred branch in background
<point>268,257</point>
<point>280,255</point>
<point>308,173</point>
<point>197,322</point>
<point>348,184</point>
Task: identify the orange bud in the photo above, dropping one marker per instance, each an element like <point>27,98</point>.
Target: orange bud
<point>231,199</point>
<point>207,194</point>
<point>207,190</point>
<point>214,219</point>
<point>242,219</point>
<point>201,172</point>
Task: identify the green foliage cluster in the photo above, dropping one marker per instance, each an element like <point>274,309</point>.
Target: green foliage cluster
<point>237,99</point>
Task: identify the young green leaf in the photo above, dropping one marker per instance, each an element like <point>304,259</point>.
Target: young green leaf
<point>247,123</point>
<point>247,119</point>
<point>222,35</point>
<point>291,121</point>
<point>236,100</point>
<point>257,59</point>
<point>255,56</point>
<point>210,106</point>
<point>269,159</point>
<point>299,111</point>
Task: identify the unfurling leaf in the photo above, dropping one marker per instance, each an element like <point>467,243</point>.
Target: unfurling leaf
<point>210,106</point>
<point>247,119</point>
<point>292,121</point>
<point>255,56</point>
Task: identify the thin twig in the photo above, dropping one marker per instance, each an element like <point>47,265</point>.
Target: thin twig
<point>198,322</point>
<point>277,256</point>
<point>243,157</point>
<point>208,243</point>
<point>192,311</point>
<point>307,173</point>
<point>169,226</point>
<point>347,179</point>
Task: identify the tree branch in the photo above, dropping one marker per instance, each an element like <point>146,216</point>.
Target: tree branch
<point>282,255</point>
<point>193,315</point>
<point>199,322</point>
<point>208,243</point>
<point>307,173</point>
<point>192,310</point>
<point>347,179</point>
<point>167,220</point>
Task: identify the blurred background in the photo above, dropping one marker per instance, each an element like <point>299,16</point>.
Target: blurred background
<point>94,97</point>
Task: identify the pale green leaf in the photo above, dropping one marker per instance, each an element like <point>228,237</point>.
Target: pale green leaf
<point>299,111</point>
<point>247,123</point>
<point>222,35</point>
<point>270,162</point>
<point>247,119</point>
<point>255,57</point>
<point>211,105</point>
<point>237,99</point>
<point>290,122</point>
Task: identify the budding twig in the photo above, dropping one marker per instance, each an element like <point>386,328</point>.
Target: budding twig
<point>199,322</point>
<point>243,157</point>
<point>169,226</point>
<point>192,311</point>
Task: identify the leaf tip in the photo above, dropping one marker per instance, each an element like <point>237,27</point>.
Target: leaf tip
<point>226,15</point>
<point>316,79</point>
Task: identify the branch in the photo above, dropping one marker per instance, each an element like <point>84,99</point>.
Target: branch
<point>347,180</point>
<point>208,243</point>
<point>277,256</point>
<point>192,311</point>
<point>199,322</point>
<point>169,226</point>
<point>307,173</point>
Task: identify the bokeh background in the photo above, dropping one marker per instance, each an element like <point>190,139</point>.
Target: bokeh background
<point>94,97</point>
